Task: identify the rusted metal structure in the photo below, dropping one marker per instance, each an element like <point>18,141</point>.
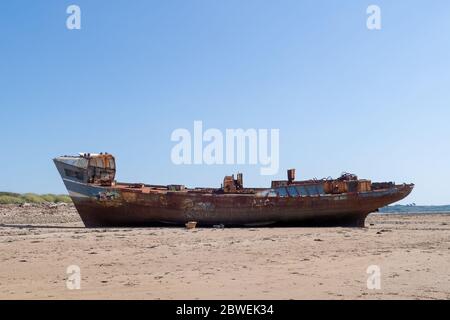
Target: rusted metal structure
<point>103,202</point>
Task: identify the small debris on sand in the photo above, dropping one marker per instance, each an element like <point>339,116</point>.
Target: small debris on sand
<point>191,224</point>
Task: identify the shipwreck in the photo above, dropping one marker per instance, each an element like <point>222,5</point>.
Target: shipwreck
<point>101,201</point>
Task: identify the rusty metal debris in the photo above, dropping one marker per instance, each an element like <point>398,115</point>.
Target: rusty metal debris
<point>191,224</point>
<point>101,201</point>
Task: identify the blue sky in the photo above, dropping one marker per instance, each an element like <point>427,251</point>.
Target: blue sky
<point>375,103</point>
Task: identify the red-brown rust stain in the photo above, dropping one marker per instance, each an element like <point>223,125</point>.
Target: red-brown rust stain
<point>128,196</point>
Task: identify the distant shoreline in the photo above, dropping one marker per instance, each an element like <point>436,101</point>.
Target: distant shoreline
<point>411,209</point>
<point>406,213</point>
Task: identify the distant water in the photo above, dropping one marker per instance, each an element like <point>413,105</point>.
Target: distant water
<point>415,209</point>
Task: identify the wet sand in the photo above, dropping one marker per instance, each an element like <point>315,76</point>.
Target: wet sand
<point>38,243</point>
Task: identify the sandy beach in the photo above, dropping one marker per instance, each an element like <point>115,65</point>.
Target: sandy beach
<point>38,243</point>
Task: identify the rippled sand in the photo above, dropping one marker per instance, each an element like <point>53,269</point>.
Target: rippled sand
<point>37,244</point>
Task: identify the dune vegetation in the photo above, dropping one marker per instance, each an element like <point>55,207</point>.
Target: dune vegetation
<point>17,198</point>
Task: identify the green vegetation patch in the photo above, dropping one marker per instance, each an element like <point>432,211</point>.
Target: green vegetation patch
<point>17,198</point>
<point>5,199</point>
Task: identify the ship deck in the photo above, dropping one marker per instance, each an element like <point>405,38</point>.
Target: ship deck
<point>146,188</point>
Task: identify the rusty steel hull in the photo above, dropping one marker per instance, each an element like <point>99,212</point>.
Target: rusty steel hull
<point>123,207</point>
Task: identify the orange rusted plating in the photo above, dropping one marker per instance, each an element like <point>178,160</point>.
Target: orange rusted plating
<point>102,202</point>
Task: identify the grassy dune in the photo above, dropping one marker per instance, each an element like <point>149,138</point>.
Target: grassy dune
<point>17,198</point>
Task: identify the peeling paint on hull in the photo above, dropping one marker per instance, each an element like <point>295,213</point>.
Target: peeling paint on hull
<point>233,210</point>
<point>101,202</point>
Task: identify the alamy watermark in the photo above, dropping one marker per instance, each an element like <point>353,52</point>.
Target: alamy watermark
<point>373,22</point>
<point>374,279</point>
<point>73,21</point>
<point>374,19</point>
<point>73,281</point>
<point>235,146</point>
